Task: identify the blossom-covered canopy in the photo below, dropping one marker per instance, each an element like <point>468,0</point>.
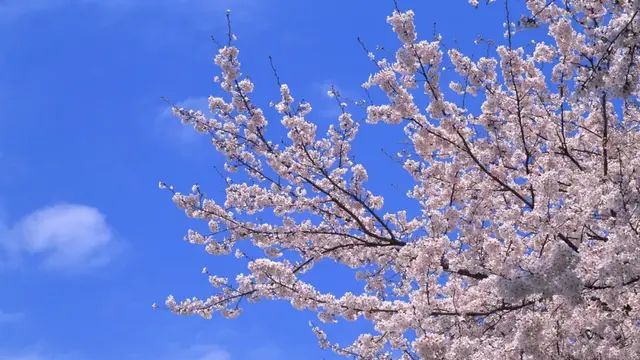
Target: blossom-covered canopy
<point>541,185</point>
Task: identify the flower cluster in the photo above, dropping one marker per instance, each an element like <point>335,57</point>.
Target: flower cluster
<point>527,243</point>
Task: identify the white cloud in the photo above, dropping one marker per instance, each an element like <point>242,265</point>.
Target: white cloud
<point>63,236</point>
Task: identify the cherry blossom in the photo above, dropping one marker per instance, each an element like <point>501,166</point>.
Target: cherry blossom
<point>541,184</point>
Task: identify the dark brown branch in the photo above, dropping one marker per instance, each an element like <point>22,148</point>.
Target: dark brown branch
<point>567,241</point>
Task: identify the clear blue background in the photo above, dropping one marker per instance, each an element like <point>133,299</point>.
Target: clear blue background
<point>82,121</point>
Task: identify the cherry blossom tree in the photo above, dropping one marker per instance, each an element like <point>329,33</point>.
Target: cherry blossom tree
<point>540,184</point>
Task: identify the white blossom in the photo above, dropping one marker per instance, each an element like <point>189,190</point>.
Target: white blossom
<point>526,242</point>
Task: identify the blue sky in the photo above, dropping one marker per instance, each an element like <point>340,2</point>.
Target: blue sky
<point>87,241</point>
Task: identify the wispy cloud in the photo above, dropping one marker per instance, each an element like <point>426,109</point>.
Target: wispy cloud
<point>36,353</point>
<point>61,237</point>
<point>170,129</point>
<point>214,354</point>
<point>266,352</point>
<point>13,9</point>
<point>199,352</point>
<point>8,318</point>
<point>22,356</point>
<point>325,106</point>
